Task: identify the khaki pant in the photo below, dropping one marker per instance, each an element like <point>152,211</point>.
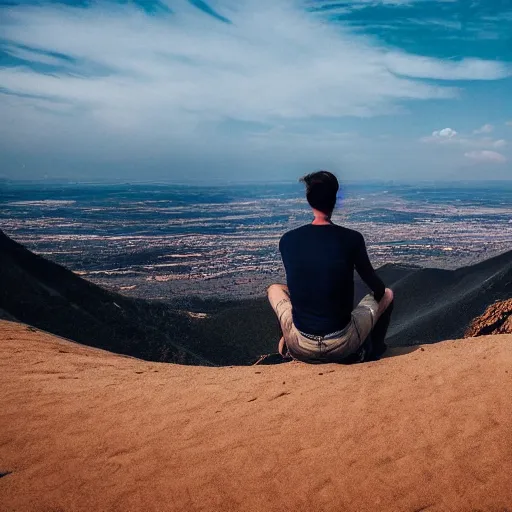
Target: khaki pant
<point>322,350</point>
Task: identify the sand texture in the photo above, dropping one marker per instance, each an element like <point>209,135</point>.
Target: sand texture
<point>81,429</point>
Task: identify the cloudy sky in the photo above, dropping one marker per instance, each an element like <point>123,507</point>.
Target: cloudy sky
<point>256,89</point>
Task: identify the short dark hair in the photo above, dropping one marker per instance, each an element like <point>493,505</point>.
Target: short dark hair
<point>321,190</point>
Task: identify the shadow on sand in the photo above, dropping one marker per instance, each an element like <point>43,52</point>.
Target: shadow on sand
<point>271,359</point>
<point>400,351</point>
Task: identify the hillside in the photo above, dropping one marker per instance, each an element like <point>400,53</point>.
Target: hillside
<point>82,429</point>
<point>430,305</point>
<point>433,304</point>
<point>46,295</point>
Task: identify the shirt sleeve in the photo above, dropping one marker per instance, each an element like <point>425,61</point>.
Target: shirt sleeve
<point>365,269</point>
<point>281,244</point>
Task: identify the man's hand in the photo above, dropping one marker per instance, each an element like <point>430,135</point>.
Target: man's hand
<point>385,301</point>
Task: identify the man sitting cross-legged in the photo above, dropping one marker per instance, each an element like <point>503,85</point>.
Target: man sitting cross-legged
<point>315,309</point>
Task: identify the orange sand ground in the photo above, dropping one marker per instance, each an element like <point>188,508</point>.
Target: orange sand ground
<point>83,429</point>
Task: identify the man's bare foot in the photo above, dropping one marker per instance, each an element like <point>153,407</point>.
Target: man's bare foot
<point>385,301</point>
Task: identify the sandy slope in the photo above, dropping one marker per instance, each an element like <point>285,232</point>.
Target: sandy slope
<point>83,429</point>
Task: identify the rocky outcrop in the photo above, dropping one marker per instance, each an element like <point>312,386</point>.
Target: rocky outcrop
<point>496,319</point>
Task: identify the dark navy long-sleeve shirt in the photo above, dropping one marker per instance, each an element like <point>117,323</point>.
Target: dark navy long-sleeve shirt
<point>319,261</point>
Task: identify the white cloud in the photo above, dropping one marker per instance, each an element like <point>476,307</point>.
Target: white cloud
<point>445,133</point>
<point>426,67</point>
<point>274,61</point>
<point>449,137</point>
<point>31,56</point>
<point>486,156</point>
<point>187,83</point>
<point>365,3</point>
<point>443,136</point>
<point>486,128</point>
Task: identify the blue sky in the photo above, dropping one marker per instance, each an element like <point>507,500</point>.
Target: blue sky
<point>256,89</point>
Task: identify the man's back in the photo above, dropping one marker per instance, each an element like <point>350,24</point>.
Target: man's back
<point>319,261</point>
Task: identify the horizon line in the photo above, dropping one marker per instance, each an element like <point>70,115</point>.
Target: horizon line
<point>224,182</point>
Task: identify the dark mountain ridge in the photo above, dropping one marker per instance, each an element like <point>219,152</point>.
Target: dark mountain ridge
<point>430,305</point>
<point>46,295</point>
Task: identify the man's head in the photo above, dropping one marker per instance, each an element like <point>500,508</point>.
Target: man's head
<point>321,190</point>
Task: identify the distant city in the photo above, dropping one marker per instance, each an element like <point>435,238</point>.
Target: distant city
<point>169,241</point>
